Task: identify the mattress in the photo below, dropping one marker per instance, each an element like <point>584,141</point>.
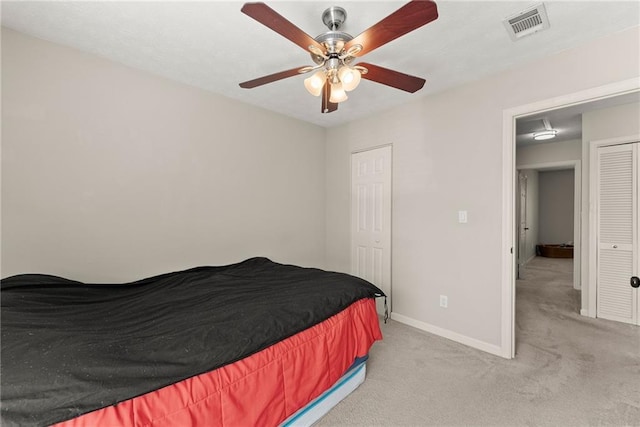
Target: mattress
<point>215,345</point>
<point>322,404</point>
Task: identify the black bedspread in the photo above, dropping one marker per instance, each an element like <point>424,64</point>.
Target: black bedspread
<point>69,348</point>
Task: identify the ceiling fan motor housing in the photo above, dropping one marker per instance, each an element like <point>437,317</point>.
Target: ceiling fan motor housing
<point>333,42</point>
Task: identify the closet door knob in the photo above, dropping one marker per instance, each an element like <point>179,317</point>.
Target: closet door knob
<point>635,282</point>
<point>615,246</point>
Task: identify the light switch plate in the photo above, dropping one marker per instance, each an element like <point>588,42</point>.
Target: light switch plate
<point>462,217</point>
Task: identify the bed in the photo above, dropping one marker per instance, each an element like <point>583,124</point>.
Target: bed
<point>252,343</point>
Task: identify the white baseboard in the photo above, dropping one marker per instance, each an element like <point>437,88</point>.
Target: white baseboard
<point>445,333</point>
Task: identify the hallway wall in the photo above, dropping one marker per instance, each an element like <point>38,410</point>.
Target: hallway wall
<point>556,201</point>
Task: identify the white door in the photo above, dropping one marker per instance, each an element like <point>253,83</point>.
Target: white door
<point>371,219</point>
<point>617,233</point>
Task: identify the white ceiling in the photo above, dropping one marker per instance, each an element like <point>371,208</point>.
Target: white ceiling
<point>214,46</point>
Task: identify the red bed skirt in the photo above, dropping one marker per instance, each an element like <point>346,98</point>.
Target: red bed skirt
<point>260,390</point>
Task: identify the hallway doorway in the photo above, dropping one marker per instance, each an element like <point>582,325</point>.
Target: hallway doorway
<point>589,100</point>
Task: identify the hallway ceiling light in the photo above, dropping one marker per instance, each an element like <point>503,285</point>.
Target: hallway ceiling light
<point>545,134</point>
<point>548,133</point>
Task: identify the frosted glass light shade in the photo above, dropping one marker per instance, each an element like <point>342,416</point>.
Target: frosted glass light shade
<point>315,82</point>
<point>350,78</point>
<point>337,93</point>
<point>545,134</point>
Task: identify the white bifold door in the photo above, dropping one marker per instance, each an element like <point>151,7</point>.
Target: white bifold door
<point>618,255</point>
<point>371,219</point>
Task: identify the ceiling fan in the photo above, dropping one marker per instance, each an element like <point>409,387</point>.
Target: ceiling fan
<point>335,51</point>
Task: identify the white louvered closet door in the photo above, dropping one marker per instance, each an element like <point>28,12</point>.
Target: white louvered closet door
<point>617,229</point>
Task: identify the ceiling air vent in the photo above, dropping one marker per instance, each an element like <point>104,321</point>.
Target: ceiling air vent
<point>527,22</point>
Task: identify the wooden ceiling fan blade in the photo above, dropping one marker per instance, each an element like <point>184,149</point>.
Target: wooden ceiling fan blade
<point>327,106</point>
<point>273,20</point>
<point>271,78</point>
<point>409,17</point>
<point>392,78</point>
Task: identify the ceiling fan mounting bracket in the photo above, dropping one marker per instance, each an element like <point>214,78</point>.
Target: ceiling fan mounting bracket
<point>334,17</point>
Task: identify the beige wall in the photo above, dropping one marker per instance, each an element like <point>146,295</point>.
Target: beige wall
<point>112,174</point>
<point>536,154</point>
<point>448,156</point>
<point>556,198</point>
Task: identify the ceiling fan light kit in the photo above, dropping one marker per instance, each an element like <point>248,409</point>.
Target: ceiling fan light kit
<point>337,93</point>
<point>334,51</point>
<point>314,83</point>
<point>350,77</point>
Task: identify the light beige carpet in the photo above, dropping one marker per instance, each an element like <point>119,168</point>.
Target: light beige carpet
<point>569,370</point>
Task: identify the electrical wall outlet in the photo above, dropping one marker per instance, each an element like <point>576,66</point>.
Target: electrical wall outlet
<point>444,301</point>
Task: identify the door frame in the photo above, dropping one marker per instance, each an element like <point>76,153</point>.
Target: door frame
<point>592,284</point>
<point>577,203</point>
<point>521,210</point>
<point>509,116</point>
